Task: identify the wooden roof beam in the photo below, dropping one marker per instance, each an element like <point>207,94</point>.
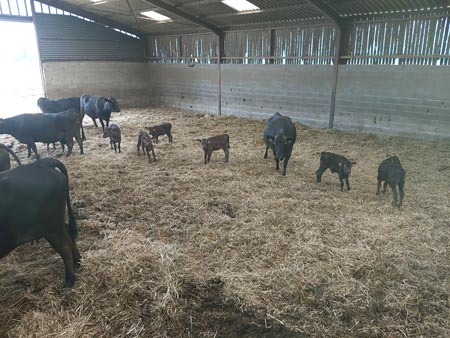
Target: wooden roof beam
<point>184,15</point>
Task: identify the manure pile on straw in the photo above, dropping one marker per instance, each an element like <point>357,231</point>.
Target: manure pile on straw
<point>176,248</point>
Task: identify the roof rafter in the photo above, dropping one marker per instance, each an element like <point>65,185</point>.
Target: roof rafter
<point>184,15</point>
<point>87,14</point>
<point>326,11</point>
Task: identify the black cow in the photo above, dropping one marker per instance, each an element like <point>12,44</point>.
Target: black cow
<point>32,206</point>
<point>98,107</point>
<point>391,172</point>
<point>56,106</point>
<point>47,128</point>
<point>5,163</point>
<point>162,129</point>
<point>280,135</point>
<point>337,164</point>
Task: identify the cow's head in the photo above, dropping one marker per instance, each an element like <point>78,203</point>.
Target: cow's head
<point>393,159</point>
<point>280,145</point>
<point>203,143</point>
<point>113,104</point>
<point>346,167</point>
<point>107,132</point>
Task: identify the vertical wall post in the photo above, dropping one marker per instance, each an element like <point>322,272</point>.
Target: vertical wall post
<point>220,47</point>
<point>33,15</point>
<point>337,42</point>
<point>272,46</point>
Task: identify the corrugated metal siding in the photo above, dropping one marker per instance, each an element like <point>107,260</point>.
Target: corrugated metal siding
<point>69,38</point>
<point>247,46</point>
<point>421,41</point>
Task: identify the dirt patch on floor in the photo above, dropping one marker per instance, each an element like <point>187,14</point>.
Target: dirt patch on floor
<point>176,248</point>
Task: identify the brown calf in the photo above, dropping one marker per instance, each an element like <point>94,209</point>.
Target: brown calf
<point>162,129</point>
<point>215,143</point>
<point>145,142</point>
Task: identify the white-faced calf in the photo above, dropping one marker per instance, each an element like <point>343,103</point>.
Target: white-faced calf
<point>145,142</point>
<point>215,143</point>
<point>113,132</point>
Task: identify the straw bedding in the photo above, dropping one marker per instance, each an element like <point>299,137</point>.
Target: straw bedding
<point>176,248</point>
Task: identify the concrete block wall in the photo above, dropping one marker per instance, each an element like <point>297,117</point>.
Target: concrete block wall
<point>398,100</point>
<point>301,92</point>
<point>179,86</point>
<point>126,81</point>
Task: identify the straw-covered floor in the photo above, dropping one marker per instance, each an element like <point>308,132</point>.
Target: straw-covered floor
<point>177,248</point>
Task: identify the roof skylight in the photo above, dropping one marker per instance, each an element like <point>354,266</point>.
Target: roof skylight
<point>240,5</point>
<point>155,16</point>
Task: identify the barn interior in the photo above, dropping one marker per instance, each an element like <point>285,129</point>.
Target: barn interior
<point>176,248</point>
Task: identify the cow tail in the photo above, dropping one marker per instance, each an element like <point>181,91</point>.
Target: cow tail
<point>13,154</point>
<point>73,227</point>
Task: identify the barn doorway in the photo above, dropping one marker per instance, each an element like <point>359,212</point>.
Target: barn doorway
<point>21,83</point>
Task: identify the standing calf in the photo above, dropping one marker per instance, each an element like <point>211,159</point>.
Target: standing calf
<point>113,132</point>
<point>215,143</point>
<point>162,129</point>
<point>146,144</point>
<point>391,172</point>
<point>337,164</point>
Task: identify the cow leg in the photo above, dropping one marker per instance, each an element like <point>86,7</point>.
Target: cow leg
<point>319,173</point>
<point>153,153</point>
<point>29,150</point>
<point>63,244</point>
<point>206,156</point>
<point>69,146</point>
<point>277,162</point>
<point>394,195</point>
<point>138,146</point>
<point>227,153</point>
<point>285,162</point>
<point>83,137</point>
<point>402,193</point>
<point>111,143</point>
<point>341,181</point>
<point>79,140</point>
<point>169,135</point>
<point>378,186</point>
<point>265,154</point>
<point>348,184</point>
<point>209,156</point>
<point>75,255</point>
<point>48,147</point>
<point>103,125</point>
<point>33,146</point>
<point>384,186</point>
<point>115,146</point>
<point>95,122</point>
<point>118,145</point>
